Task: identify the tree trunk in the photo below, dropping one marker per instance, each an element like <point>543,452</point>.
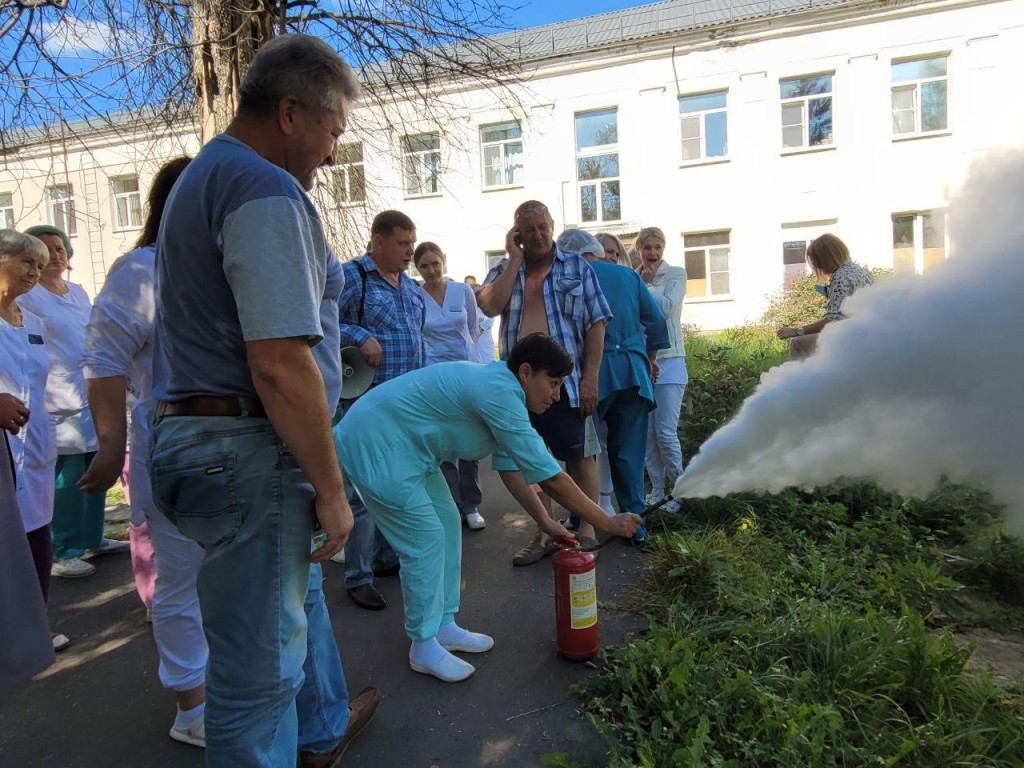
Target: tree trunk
<point>226,36</point>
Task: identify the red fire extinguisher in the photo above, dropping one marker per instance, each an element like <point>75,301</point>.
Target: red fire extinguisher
<point>576,604</point>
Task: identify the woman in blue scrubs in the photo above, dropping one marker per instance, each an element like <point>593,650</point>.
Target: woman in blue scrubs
<point>391,444</point>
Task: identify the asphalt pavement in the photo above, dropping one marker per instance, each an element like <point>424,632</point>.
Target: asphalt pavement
<point>102,705</point>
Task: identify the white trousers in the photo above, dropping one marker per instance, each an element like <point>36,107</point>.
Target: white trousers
<point>177,622</point>
<point>664,456</point>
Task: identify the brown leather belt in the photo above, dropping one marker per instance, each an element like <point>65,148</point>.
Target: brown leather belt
<point>212,405</point>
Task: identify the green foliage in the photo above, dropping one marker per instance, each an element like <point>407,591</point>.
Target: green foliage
<point>721,377</point>
<point>798,303</point>
<point>811,628</point>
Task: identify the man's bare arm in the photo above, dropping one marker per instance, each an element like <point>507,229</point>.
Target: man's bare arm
<point>494,296</point>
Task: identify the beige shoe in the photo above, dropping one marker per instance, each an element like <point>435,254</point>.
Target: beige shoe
<point>535,551</point>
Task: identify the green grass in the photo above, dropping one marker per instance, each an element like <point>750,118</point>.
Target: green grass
<point>115,496</point>
<point>810,629</point>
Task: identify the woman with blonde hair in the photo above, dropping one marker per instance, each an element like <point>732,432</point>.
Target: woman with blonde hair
<point>829,258</point>
<point>667,285</point>
<point>614,250</point>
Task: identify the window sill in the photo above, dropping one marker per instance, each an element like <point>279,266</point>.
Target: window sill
<point>705,161</point>
<point>919,136</point>
<point>353,204</point>
<point>427,196</point>
<point>122,230</point>
<point>502,188</point>
<point>708,299</point>
<point>807,150</point>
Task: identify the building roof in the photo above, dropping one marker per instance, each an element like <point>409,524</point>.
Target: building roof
<point>655,20</point>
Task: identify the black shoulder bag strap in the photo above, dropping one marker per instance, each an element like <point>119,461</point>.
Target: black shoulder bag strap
<point>362,296</point>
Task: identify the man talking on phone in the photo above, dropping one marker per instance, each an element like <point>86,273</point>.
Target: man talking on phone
<point>540,289</point>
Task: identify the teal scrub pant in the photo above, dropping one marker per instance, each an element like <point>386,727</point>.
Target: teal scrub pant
<point>77,517</point>
<point>425,529</point>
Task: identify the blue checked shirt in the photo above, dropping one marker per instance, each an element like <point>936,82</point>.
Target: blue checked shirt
<point>393,316</point>
<point>573,302</point>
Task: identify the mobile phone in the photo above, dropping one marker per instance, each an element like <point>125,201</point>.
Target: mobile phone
<point>518,240</point>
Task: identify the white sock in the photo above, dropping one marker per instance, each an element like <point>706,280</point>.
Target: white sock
<point>606,504</point>
<point>427,653</point>
<point>186,718</point>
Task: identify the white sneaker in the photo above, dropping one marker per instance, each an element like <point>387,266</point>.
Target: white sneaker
<point>60,642</point>
<point>475,521</point>
<point>195,734</point>
<point>339,557</point>
<point>653,498</point>
<point>450,669</point>
<point>74,568</point>
<point>106,547</point>
<point>469,642</point>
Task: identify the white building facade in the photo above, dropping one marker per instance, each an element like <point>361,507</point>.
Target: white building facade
<point>742,130</point>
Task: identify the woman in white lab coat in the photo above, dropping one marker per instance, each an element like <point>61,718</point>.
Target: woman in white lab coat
<point>451,333</point>
<point>63,306</point>
<point>24,364</point>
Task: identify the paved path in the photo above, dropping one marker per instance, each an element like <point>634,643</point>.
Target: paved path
<point>102,704</point>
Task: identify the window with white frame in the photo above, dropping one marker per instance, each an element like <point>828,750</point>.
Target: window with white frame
<point>62,208</point>
<point>501,147</point>
<point>6,210</point>
<point>127,202</point>
<point>597,166</point>
<point>707,264</point>
<point>703,120</point>
<point>492,259</point>
<point>918,241</point>
<point>349,175</point>
<point>806,111</point>
<point>422,156</point>
<point>920,95</point>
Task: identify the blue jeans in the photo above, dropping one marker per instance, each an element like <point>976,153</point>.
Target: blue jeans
<point>275,684</point>
<point>366,548</point>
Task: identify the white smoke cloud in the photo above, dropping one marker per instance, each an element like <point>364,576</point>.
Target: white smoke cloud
<point>923,380</point>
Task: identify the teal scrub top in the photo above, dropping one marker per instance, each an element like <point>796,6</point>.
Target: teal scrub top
<point>405,428</point>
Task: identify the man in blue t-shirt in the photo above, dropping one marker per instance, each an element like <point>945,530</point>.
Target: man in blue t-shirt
<point>246,371</point>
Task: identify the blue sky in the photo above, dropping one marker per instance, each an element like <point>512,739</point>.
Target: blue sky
<point>537,12</point>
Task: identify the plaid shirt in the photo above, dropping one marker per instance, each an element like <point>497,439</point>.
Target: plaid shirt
<point>573,302</point>
<point>393,316</point>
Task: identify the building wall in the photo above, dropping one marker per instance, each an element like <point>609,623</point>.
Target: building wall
<point>762,195</point>
<point>28,173</point>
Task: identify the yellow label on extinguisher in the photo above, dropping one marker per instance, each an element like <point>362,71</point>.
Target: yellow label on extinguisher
<point>583,598</point>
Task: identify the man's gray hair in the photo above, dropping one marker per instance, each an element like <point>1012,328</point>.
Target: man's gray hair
<point>14,243</point>
<point>302,66</point>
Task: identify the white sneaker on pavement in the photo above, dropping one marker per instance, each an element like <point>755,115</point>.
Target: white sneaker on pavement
<point>60,642</point>
<point>106,547</point>
<point>475,521</point>
<point>194,734</point>
<point>73,568</point>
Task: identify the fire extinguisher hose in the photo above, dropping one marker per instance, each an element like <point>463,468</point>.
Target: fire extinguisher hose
<point>643,515</point>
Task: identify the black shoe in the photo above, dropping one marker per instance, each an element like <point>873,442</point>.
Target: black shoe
<point>366,596</point>
<point>383,573</point>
